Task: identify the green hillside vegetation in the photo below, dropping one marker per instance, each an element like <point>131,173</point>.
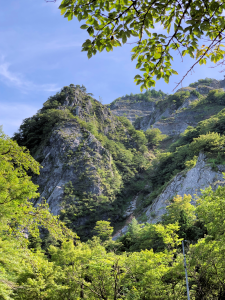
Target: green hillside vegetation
<point>131,151</point>
<point>161,99</point>
<point>145,263</point>
<point>206,81</point>
<point>207,137</point>
<point>148,96</point>
<point>175,100</point>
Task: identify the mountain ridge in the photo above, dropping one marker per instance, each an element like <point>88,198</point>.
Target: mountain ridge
<point>95,164</point>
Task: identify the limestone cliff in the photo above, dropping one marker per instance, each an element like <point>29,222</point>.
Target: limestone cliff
<point>74,155</point>
<point>132,109</point>
<point>190,183</point>
<point>88,157</point>
<point>170,117</point>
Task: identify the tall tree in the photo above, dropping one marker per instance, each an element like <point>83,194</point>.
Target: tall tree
<point>17,214</point>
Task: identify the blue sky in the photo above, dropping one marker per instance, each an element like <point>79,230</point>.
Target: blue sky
<point>40,52</point>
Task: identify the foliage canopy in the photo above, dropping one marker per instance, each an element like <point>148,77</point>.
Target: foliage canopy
<point>185,23</point>
<point>17,214</point>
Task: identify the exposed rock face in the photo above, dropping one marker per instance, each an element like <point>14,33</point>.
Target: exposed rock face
<point>209,84</point>
<point>177,121</point>
<point>202,89</point>
<point>87,159</point>
<point>191,183</point>
<point>132,110</point>
<point>149,120</point>
<point>89,156</point>
<point>131,208</point>
<point>169,119</point>
<point>217,84</point>
<point>73,155</point>
<point>129,214</point>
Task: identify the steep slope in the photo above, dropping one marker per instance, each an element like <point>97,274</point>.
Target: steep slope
<point>172,114</point>
<point>194,162</point>
<point>89,158</point>
<point>191,182</point>
<point>138,105</point>
<point>174,120</point>
<point>191,162</point>
<point>97,166</point>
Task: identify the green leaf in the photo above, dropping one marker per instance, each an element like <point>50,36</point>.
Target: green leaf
<point>166,78</point>
<point>137,76</point>
<point>124,38</point>
<point>84,26</point>
<point>90,30</point>
<point>138,81</point>
<point>174,72</point>
<point>122,16</point>
<point>63,10</point>
<point>157,55</point>
<point>142,87</point>
<point>87,43</point>
<point>184,52</point>
<point>89,54</point>
<point>70,16</point>
<point>63,5</point>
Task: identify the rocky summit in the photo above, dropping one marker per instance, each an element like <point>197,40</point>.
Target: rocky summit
<point>128,158</point>
<point>172,117</point>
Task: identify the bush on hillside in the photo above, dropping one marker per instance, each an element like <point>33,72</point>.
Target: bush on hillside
<point>216,97</point>
<point>206,81</point>
<point>154,136</point>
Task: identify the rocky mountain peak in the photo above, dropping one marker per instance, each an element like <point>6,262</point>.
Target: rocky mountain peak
<point>88,156</point>
<point>96,165</point>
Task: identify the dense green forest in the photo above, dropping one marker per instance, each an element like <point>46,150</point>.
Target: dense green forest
<point>144,264</point>
<point>45,257</point>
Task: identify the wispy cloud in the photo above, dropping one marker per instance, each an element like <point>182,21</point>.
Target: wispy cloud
<point>43,46</point>
<point>17,80</point>
<point>11,116</point>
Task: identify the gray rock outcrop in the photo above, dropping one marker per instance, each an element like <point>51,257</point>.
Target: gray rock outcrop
<point>167,117</point>
<point>72,154</point>
<point>189,183</point>
<point>132,109</point>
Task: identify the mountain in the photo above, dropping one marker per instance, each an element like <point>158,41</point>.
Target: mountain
<point>89,158</point>
<point>96,165</point>
<point>171,114</point>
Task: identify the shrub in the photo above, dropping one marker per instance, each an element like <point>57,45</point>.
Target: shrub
<point>178,98</point>
<point>154,136</point>
<point>191,163</point>
<point>216,96</point>
<point>210,143</point>
<point>206,81</point>
<point>195,93</point>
